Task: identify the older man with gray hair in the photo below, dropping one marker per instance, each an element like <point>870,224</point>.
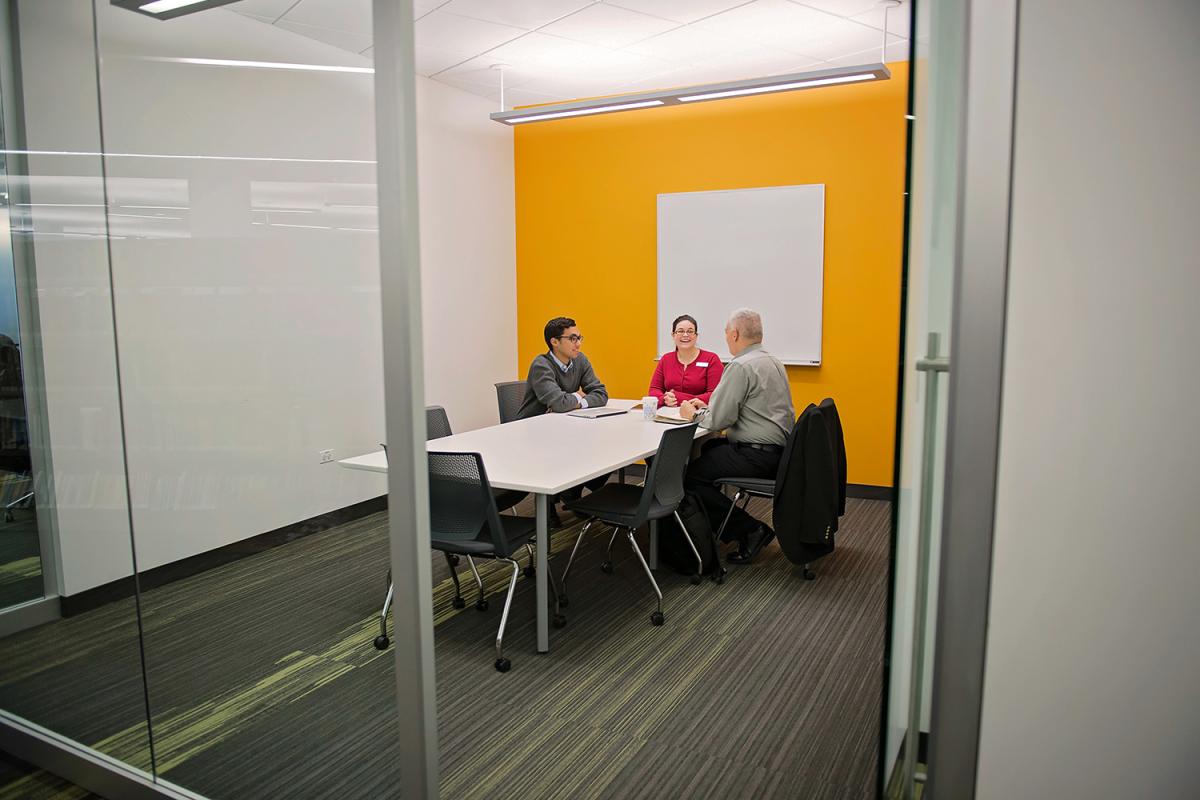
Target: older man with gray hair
<point>753,405</point>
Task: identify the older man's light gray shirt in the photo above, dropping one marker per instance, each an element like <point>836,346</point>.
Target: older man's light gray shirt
<point>753,402</point>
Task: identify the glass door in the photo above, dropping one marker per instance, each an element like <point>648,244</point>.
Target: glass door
<point>935,99</point>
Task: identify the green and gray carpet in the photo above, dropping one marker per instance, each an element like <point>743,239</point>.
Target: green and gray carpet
<point>263,682</point>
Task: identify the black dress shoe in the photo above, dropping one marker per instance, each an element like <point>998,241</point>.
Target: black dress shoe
<point>752,546</point>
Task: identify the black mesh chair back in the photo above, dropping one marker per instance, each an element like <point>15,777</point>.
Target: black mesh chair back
<point>461,505</point>
<point>437,424</point>
<point>664,481</point>
<point>510,395</point>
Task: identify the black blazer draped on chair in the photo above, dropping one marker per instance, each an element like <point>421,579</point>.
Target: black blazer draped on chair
<point>806,497</point>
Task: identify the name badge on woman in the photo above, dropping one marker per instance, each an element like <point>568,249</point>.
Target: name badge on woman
<point>701,363</point>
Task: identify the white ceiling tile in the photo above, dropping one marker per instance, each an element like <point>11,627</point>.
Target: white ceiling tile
<point>735,67</point>
<point>689,44</point>
<point>512,97</point>
<point>678,10</point>
<point>795,28</point>
<point>354,42</point>
<point>423,7</point>
<point>339,15</point>
<point>523,97</point>
<point>474,87</point>
<point>263,8</point>
<point>268,20</point>
<point>455,34</point>
<point>843,8</point>
<point>896,51</point>
<point>527,14</point>
<point>608,26</point>
<point>899,19</point>
<point>430,59</point>
<point>479,71</point>
<point>578,87</point>
<point>551,57</point>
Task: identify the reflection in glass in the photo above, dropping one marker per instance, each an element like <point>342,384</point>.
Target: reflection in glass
<point>64,529</point>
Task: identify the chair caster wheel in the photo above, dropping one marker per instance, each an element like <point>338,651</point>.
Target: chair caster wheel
<point>809,575</point>
<point>695,580</point>
<point>381,642</point>
<point>529,572</point>
<point>453,559</point>
<point>607,568</point>
<point>481,605</point>
<point>562,601</point>
<point>503,665</point>
<point>656,618</point>
<point>458,602</point>
<point>8,516</point>
<point>560,621</point>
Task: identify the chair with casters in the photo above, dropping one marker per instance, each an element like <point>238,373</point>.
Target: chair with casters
<point>627,507</point>
<point>464,521</point>
<point>437,426</point>
<point>804,492</point>
<point>510,396</point>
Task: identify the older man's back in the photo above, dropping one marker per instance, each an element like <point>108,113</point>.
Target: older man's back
<point>753,405</point>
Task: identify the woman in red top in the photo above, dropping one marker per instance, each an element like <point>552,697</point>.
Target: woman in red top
<point>688,372</point>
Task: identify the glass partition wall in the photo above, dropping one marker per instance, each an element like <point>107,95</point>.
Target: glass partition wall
<point>195,247</point>
<point>79,676</point>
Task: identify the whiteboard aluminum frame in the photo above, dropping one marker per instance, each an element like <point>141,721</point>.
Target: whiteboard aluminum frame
<point>660,322</point>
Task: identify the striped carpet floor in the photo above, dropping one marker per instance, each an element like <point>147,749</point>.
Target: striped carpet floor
<point>263,681</point>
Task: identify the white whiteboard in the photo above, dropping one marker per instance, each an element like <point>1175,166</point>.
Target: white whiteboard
<point>759,248</point>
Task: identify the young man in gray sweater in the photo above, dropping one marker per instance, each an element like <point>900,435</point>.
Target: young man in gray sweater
<point>562,380</point>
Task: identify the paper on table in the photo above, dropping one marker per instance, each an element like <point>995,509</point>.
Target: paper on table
<point>670,415</point>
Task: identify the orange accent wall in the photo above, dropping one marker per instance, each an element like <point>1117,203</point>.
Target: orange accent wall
<point>586,217</point>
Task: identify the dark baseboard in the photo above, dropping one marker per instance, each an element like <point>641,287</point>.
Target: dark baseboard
<point>201,562</point>
<point>865,491</point>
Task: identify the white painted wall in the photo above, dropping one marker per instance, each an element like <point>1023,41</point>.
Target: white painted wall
<point>248,309</point>
<point>468,253</point>
<point>1093,650</point>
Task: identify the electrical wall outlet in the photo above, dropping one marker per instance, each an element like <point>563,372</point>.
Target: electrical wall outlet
<point>326,456</point>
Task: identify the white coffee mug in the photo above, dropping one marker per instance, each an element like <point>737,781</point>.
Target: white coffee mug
<point>649,407</point>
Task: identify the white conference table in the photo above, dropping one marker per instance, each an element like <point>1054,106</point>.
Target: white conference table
<point>547,455</point>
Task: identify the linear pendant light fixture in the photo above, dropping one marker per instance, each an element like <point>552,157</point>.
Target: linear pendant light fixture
<point>169,9</point>
<point>697,94</point>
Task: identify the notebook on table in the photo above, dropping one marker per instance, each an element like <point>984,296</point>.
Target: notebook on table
<point>595,413</point>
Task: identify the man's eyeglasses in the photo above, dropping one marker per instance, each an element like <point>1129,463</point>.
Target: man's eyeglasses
<point>574,337</point>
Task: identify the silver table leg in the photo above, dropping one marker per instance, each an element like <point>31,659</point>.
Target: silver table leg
<point>653,544</point>
<point>543,570</point>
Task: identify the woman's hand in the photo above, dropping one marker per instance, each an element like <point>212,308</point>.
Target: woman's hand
<point>669,399</point>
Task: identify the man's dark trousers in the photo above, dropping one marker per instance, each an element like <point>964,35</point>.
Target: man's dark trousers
<point>721,458</point>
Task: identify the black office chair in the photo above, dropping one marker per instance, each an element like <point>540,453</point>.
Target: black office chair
<point>628,506</point>
<point>510,395</point>
<point>437,426</point>
<point>749,488</point>
<point>464,521</point>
